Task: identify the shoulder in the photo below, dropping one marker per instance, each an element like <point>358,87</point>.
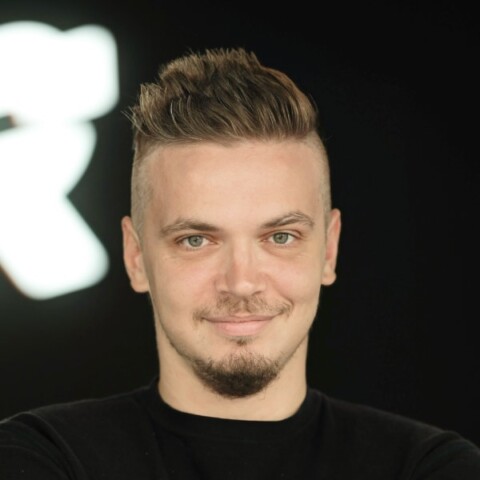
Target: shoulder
<point>350,416</point>
<point>404,446</point>
<point>107,413</point>
<point>102,411</point>
<point>80,435</point>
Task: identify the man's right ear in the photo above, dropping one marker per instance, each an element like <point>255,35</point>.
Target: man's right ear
<point>133,257</point>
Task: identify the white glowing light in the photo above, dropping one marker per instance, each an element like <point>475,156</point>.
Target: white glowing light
<point>51,83</point>
<point>50,75</point>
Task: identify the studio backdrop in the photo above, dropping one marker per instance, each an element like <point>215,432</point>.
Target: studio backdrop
<point>396,88</point>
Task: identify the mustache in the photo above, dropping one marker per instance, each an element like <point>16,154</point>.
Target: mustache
<point>228,306</point>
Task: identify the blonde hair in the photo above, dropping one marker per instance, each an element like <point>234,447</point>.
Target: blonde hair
<point>220,95</point>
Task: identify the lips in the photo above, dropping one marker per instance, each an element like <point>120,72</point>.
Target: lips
<point>240,326</point>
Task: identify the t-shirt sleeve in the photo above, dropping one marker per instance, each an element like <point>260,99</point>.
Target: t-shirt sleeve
<point>28,453</point>
<point>23,463</point>
<point>448,457</point>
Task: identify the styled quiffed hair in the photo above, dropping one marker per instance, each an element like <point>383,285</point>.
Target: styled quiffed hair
<point>221,95</point>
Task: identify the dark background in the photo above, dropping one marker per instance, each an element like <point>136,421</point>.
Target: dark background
<point>396,85</point>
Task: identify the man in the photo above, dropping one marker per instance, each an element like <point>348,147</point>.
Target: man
<point>232,235</point>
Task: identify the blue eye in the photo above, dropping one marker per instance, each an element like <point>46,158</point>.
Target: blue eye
<point>194,241</point>
<point>282,238</point>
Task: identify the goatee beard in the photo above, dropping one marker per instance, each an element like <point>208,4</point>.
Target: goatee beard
<point>238,376</point>
<point>243,373</point>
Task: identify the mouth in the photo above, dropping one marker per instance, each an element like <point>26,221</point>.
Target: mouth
<point>240,326</point>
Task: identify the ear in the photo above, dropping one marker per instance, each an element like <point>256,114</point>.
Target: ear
<point>133,257</point>
<point>331,247</point>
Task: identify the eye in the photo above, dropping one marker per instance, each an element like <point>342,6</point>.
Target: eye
<point>193,241</point>
<point>282,238</point>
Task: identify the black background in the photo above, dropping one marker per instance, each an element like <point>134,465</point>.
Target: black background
<point>396,85</point>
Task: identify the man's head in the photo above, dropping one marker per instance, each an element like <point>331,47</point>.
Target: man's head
<point>232,233</point>
<point>222,96</point>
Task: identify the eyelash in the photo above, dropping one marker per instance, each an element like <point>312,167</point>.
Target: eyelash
<point>291,238</point>
<point>183,241</point>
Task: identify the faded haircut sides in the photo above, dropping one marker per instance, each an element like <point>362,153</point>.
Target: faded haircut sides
<point>220,95</point>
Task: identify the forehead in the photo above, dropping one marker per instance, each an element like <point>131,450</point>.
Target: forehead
<point>241,178</point>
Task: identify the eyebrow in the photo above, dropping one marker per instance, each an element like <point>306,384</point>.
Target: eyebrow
<point>289,218</point>
<point>183,224</point>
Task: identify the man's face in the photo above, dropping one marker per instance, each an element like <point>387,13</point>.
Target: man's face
<point>234,251</point>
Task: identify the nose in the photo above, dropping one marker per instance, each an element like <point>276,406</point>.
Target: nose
<point>240,273</point>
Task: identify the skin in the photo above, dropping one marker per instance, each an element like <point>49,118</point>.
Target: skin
<point>234,250</point>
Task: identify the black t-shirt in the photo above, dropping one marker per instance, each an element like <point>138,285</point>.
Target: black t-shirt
<point>136,436</point>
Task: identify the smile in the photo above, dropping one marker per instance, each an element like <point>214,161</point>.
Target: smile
<point>240,326</point>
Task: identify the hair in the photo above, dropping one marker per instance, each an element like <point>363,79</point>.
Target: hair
<point>219,95</point>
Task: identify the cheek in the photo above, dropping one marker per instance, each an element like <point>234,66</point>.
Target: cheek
<point>298,280</point>
<point>179,286</point>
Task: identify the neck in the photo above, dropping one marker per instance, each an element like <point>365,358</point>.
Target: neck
<point>181,389</point>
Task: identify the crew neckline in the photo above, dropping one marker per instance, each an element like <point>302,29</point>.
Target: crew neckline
<point>254,431</point>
